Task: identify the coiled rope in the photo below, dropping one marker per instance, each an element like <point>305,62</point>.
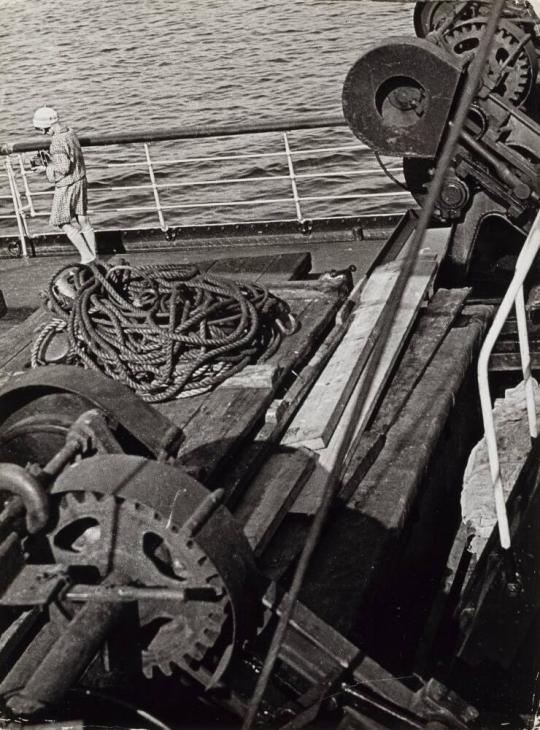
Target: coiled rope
<point>166,331</point>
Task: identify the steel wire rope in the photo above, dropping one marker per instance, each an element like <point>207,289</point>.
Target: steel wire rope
<point>381,332</point>
<point>165,331</point>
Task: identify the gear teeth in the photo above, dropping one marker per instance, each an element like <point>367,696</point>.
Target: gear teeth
<point>166,668</point>
<point>148,670</point>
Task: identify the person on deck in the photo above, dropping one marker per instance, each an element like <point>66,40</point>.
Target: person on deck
<point>64,166</point>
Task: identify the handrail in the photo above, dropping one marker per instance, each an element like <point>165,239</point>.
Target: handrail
<point>513,297</point>
<point>31,204</point>
<point>189,132</point>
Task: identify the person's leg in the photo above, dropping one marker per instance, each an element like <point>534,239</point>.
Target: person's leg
<point>88,233</point>
<point>79,241</point>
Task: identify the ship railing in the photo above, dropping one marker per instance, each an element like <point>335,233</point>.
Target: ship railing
<point>514,297</point>
<point>29,204</point>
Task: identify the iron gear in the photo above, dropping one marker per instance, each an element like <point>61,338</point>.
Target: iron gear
<point>432,16</point>
<point>151,552</point>
<point>512,65</point>
<point>166,535</point>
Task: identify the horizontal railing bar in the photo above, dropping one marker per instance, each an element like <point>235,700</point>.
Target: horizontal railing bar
<point>230,203</point>
<point>263,178</point>
<point>243,156</point>
<point>359,196</point>
<point>189,132</point>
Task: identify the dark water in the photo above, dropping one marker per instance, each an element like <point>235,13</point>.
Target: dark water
<point>132,64</point>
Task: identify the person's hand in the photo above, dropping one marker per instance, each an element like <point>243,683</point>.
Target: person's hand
<point>39,161</point>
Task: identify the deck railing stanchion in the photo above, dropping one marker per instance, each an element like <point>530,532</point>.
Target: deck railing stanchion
<point>16,207</point>
<point>521,316</point>
<point>27,192</point>
<point>19,203</point>
<point>159,210</point>
<point>292,176</point>
<point>513,297</point>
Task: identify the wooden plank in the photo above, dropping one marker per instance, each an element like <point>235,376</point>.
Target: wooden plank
<point>360,459</point>
<point>16,343</point>
<point>356,414</point>
<point>413,296</point>
<point>378,538</point>
<point>214,435</point>
<point>260,268</point>
<point>316,420</point>
<point>286,266</point>
<point>229,414</point>
<point>271,495</point>
<point>280,412</point>
<point>431,328</point>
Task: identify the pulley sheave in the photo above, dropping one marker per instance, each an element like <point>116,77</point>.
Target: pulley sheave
<point>398,96</point>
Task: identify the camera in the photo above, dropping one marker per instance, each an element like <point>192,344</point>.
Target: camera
<point>40,159</point>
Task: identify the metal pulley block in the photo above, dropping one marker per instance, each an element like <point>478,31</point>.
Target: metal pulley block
<point>398,96</point>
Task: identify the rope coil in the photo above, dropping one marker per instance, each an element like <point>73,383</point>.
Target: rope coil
<point>166,331</point>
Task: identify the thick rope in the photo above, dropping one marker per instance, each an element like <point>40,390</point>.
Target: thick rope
<point>165,331</point>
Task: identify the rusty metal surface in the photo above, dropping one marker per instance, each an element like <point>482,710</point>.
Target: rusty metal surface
<point>397,97</point>
<point>147,425</point>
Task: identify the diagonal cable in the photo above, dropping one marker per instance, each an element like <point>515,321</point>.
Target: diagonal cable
<point>474,80</point>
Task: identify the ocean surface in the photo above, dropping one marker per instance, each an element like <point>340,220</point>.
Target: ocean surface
<point>122,65</point>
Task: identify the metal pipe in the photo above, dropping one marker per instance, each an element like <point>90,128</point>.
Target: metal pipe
<point>20,226</point>
<point>243,156</point>
<point>192,132</point>
<point>159,209</point>
<point>292,177</point>
<point>20,205</point>
<point>523,264</point>
<point>19,482</point>
<point>261,178</point>
<point>69,656</point>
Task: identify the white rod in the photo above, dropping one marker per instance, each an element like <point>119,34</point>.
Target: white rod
<point>262,178</point>
<point>159,209</point>
<point>292,176</point>
<point>26,187</point>
<point>523,264</point>
<point>19,203</point>
<point>243,156</point>
<point>524,349</point>
<point>16,208</point>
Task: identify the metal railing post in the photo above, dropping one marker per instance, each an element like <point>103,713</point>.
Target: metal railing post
<point>521,316</point>
<point>27,192</point>
<point>513,296</point>
<point>292,177</point>
<point>21,223</point>
<point>159,210</point>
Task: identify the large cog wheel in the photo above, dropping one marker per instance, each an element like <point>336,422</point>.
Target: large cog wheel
<point>157,528</point>
<point>516,85</point>
<point>103,532</point>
